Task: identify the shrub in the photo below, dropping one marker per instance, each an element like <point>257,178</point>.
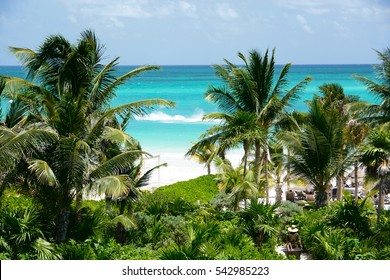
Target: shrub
<point>203,188</point>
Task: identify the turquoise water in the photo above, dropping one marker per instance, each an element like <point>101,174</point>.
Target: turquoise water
<point>173,130</point>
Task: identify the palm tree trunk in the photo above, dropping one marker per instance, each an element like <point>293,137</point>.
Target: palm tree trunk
<point>279,192</point>
<point>62,224</point>
<point>208,168</point>
<point>79,202</point>
<point>321,197</point>
<point>339,184</point>
<point>245,158</point>
<point>266,175</point>
<point>108,202</point>
<point>258,161</point>
<point>288,170</point>
<point>356,180</point>
<point>380,205</point>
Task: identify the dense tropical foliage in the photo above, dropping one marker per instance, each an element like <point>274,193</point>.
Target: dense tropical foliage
<point>61,143</point>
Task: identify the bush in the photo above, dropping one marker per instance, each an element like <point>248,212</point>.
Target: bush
<point>203,188</point>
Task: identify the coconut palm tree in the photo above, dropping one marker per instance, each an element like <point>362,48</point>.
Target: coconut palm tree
<point>72,102</point>
<point>378,113</point>
<point>375,155</point>
<point>204,155</point>
<point>234,130</point>
<point>253,88</point>
<point>333,96</point>
<point>355,133</point>
<point>316,149</point>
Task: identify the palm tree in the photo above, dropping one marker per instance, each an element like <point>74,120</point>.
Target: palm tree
<point>316,149</point>
<point>375,155</point>
<point>204,155</point>
<point>355,133</point>
<point>333,96</point>
<point>252,88</point>
<point>234,129</point>
<point>259,221</point>
<point>278,172</point>
<point>72,102</point>
<point>379,113</point>
<point>237,183</point>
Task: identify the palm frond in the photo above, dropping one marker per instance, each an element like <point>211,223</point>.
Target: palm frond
<point>42,172</point>
<point>26,142</point>
<point>126,221</point>
<point>45,250</point>
<point>115,185</point>
<point>119,81</point>
<point>116,165</point>
<point>223,98</point>
<point>143,181</point>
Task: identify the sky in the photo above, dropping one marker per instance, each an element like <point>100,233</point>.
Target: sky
<point>204,32</point>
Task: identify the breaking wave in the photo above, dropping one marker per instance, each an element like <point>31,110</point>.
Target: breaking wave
<point>167,118</point>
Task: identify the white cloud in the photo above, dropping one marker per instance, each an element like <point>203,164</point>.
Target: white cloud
<point>224,11</point>
<point>132,10</point>
<point>341,29</point>
<point>188,9</point>
<point>315,7</point>
<point>72,19</point>
<point>304,24</point>
<point>115,22</point>
<point>358,8</point>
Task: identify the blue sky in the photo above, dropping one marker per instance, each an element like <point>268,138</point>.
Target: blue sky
<point>166,32</point>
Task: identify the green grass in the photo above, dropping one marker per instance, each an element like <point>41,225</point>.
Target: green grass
<point>203,188</point>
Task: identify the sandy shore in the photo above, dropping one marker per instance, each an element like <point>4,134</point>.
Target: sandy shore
<point>179,168</point>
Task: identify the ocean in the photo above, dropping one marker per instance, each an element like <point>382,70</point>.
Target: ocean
<point>169,132</point>
<point>176,128</point>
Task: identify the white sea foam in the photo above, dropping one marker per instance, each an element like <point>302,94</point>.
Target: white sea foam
<point>167,118</point>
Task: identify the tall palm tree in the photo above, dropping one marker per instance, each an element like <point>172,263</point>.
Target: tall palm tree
<point>253,88</point>
<point>379,113</point>
<point>355,133</point>
<point>289,121</point>
<point>333,96</point>
<point>375,155</point>
<point>316,149</point>
<point>72,102</point>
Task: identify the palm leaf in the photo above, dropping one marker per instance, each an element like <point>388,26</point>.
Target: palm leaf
<point>26,142</point>
<point>42,172</point>
<point>45,250</point>
<point>115,185</point>
<point>126,221</point>
<point>117,165</point>
<point>137,108</point>
<point>145,178</point>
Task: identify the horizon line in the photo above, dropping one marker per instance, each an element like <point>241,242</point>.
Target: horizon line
<point>281,64</point>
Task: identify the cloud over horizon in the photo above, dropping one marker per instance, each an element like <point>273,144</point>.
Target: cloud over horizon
<point>205,32</point>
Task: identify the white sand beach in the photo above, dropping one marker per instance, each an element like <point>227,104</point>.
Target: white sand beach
<point>179,168</point>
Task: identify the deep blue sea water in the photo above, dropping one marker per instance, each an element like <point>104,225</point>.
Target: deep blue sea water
<point>173,130</point>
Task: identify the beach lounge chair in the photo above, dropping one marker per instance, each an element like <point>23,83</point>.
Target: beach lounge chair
<point>290,196</point>
<point>310,197</point>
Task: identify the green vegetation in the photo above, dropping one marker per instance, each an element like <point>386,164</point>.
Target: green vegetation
<point>201,189</point>
<point>61,141</point>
